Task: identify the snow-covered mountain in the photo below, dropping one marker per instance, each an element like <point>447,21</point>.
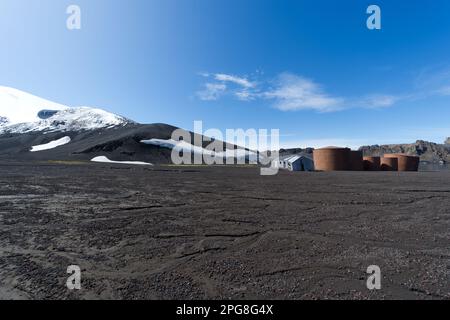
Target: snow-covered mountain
<point>21,112</point>
<point>32,128</point>
<point>20,107</point>
<point>71,119</point>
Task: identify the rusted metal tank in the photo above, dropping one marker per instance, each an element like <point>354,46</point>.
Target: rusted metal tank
<point>332,159</point>
<point>405,162</point>
<point>389,164</point>
<point>371,163</point>
<point>356,161</point>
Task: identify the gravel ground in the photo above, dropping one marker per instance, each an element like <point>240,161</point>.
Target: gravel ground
<point>221,232</point>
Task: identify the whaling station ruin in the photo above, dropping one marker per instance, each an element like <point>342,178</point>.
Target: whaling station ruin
<point>345,159</point>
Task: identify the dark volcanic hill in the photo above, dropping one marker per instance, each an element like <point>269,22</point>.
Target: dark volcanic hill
<point>32,128</point>
<point>120,143</point>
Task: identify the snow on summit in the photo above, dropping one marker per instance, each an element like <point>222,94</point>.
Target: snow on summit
<point>22,112</point>
<point>19,107</point>
<point>71,119</point>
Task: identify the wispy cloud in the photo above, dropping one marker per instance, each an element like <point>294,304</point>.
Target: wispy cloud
<point>288,92</point>
<point>432,77</point>
<point>293,93</point>
<point>242,87</point>
<point>211,91</point>
<point>444,91</point>
<point>433,81</point>
<point>379,100</point>
<point>242,81</point>
<point>245,95</point>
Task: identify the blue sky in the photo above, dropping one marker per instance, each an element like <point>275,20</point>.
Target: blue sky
<point>310,68</point>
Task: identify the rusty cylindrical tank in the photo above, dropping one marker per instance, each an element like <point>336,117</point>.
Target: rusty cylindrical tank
<point>405,162</point>
<point>372,163</point>
<point>389,164</point>
<point>332,159</point>
<point>356,161</point>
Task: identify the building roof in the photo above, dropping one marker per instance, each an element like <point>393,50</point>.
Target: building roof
<point>294,157</point>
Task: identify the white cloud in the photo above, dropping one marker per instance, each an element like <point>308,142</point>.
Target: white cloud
<point>380,101</point>
<point>430,78</point>
<point>243,89</point>
<point>245,95</point>
<point>244,82</point>
<point>444,91</point>
<point>291,92</point>
<point>211,91</point>
<point>297,93</point>
<point>433,81</point>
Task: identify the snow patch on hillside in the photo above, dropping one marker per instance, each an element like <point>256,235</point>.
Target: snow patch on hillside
<point>104,159</point>
<point>51,144</point>
<point>183,146</point>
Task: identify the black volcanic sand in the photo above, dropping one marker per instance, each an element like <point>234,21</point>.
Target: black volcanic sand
<point>215,232</point>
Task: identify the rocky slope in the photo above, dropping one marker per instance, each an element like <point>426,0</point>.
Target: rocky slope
<point>427,151</point>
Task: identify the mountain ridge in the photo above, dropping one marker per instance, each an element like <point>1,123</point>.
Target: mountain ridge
<point>427,151</point>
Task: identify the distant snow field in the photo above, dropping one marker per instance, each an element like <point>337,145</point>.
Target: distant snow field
<point>106,160</point>
<point>51,145</point>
